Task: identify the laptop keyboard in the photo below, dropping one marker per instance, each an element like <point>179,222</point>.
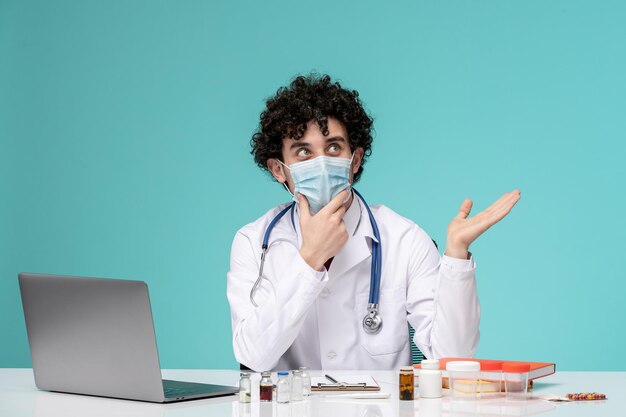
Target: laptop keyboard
<point>180,392</point>
<point>176,390</point>
<point>181,389</point>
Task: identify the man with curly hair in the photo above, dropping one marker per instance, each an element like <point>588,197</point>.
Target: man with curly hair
<point>309,304</point>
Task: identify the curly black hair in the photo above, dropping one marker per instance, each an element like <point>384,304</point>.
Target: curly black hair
<point>310,97</point>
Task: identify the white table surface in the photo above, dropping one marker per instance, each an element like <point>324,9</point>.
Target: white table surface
<point>19,397</point>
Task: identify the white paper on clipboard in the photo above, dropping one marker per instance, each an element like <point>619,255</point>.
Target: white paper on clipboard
<point>349,380</point>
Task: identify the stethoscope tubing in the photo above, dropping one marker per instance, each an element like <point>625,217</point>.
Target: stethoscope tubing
<point>279,216</point>
<point>376,268</point>
<point>264,247</point>
<point>375,272</point>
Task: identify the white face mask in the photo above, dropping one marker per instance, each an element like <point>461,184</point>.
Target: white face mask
<point>320,179</point>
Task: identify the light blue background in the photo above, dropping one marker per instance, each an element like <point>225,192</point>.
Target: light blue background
<point>125,128</point>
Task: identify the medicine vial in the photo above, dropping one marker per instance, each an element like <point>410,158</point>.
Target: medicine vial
<point>407,381</point>
<point>283,388</point>
<point>296,386</point>
<point>306,381</point>
<point>266,387</point>
<point>429,379</point>
<point>245,388</point>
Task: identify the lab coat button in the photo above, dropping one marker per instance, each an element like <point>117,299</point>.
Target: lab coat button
<point>331,355</point>
<point>325,293</point>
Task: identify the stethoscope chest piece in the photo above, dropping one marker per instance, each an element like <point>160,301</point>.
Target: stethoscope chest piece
<point>372,322</point>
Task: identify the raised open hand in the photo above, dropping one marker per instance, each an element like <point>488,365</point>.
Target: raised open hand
<point>463,230</point>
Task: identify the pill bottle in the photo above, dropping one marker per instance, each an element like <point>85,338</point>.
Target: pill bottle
<point>429,379</point>
<point>306,381</point>
<point>515,375</point>
<point>245,388</point>
<point>463,376</point>
<point>432,364</point>
<point>490,383</point>
<point>266,387</point>
<point>407,383</point>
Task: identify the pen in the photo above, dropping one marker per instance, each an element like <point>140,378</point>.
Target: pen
<point>331,379</point>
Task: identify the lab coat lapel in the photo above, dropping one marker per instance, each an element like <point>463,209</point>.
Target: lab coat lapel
<point>357,248</point>
<point>355,251</point>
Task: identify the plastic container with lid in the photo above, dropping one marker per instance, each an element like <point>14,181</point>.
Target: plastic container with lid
<point>490,383</point>
<point>515,375</point>
<point>429,379</point>
<point>463,376</point>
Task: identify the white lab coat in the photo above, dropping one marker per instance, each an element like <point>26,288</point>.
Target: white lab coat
<point>310,318</point>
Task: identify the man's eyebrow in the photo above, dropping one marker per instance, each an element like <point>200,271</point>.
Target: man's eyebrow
<point>336,139</point>
<point>298,144</point>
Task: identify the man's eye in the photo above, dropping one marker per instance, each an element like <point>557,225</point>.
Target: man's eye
<point>334,148</point>
<point>303,152</point>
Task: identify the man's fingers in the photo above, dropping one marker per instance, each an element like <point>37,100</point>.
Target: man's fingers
<point>340,212</point>
<point>507,199</point>
<point>498,210</point>
<point>337,202</point>
<point>496,205</point>
<point>303,203</point>
<point>507,206</point>
<point>465,209</point>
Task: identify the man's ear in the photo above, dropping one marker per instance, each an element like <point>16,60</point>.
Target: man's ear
<point>276,169</point>
<point>357,159</point>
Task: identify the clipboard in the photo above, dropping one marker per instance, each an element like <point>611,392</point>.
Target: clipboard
<point>345,383</point>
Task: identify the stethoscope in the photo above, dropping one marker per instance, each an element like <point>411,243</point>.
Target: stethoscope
<point>372,322</point>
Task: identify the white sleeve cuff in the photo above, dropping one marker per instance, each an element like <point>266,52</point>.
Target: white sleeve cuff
<point>321,276</point>
<point>458,265</point>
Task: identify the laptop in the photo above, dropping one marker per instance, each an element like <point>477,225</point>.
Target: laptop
<point>95,336</point>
